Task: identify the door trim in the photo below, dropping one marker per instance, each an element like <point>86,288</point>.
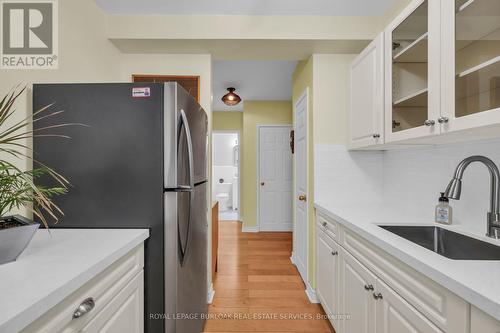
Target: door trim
<point>290,126</point>
<point>305,94</point>
<point>238,132</point>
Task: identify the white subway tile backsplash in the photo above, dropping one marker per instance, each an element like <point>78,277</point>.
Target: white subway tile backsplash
<point>404,185</point>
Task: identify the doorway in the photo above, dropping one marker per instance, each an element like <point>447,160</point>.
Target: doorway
<point>274,165</point>
<point>226,173</point>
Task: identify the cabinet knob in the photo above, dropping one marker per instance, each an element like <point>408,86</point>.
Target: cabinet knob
<point>335,253</point>
<point>302,197</point>
<point>85,307</point>
<point>377,296</point>
<point>324,224</point>
<point>429,122</point>
<point>443,120</point>
<point>262,184</point>
<point>376,136</point>
<point>368,286</point>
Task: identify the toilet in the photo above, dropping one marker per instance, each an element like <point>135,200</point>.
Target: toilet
<point>223,195</point>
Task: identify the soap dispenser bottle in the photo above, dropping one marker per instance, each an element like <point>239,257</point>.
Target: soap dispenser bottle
<point>444,211</point>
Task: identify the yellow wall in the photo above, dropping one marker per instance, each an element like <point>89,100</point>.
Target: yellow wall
<point>331,97</point>
<point>257,113</point>
<point>228,121</point>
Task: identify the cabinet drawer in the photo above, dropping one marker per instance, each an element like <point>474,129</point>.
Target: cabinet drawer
<point>125,313</point>
<point>443,308</point>
<point>102,288</point>
<point>329,226</point>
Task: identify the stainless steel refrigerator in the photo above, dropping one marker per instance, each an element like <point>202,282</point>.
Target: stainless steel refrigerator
<point>140,161</point>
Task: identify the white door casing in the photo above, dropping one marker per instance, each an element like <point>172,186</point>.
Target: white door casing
<point>275,178</point>
<point>301,228</point>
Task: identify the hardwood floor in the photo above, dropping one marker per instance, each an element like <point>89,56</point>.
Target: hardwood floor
<point>257,289</point>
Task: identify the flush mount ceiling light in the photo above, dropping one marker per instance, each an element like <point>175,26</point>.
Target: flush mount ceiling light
<point>231,99</point>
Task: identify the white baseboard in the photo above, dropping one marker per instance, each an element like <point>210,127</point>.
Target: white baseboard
<point>249,229</point>
<point>311,294</point>
<point>292,259</point>
<point>278,229</point>
<point>211,294</point>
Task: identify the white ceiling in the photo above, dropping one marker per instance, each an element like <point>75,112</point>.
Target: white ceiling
<point>248,7</point>
<point>253,80</point>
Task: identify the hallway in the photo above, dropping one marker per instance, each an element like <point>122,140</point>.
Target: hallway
<point>257,286</point>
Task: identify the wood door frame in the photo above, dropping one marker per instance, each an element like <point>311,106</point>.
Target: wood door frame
<point>290,126</point>
<point>305,94</point>
<point>238,133</point>
<point>171,77</point>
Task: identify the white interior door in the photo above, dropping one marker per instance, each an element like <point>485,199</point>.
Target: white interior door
<point>301,228</point>
<point>275,179</point>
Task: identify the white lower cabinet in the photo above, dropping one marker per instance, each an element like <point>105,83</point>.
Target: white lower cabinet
<point>327,282</point>
<point>357,285</point>
<point>125,313</point>
<point>370,291</point>
<point>395,315</point>
<point>111,302</point>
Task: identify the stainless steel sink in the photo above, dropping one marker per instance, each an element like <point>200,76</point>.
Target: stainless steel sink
<point>447,243</point>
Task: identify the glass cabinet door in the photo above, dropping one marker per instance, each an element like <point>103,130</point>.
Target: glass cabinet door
<point>477,56</point>
<point>411,60</point>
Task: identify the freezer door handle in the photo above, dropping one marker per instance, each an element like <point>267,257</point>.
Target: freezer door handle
<point>184,125</point>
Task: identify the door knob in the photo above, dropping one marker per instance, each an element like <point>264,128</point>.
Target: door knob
<point>377,296</point>
<point>262,184</point>
<point>368,286</point>
<point>376,136</point>
<point>429,122</point>
<point>302,197</point>
<point>335,253</point>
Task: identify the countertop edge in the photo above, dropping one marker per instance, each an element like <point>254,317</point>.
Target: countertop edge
<point>468,294</point>
<point>38,309</point>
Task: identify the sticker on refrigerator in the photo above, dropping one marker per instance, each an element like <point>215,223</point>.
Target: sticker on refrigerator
<point>139,92</point>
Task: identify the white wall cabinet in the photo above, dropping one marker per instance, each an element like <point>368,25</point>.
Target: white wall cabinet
<point>470,60</point>
<point>380,294</point>
<point>441,76</point>
<point>412,73</point>
<point>367,88</point>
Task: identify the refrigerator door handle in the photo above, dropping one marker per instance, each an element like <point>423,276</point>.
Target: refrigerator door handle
<point>183,123</point>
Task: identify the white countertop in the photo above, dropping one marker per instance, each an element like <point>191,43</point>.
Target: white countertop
<point>55,265</point>
<point>477,282</point>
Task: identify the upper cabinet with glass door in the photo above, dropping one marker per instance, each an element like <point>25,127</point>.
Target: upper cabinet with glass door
<point>471,64</point>
<point>412,70</point>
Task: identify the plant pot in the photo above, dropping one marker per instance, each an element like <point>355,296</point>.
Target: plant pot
<point>15,234</point>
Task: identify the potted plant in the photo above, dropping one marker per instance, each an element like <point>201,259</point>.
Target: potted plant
<point>17,186</point>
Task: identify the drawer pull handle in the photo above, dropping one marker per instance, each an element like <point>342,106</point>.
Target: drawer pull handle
<point>377,296</point>
<point>368,286</point>
<point>85,307</point>
<point>335,253</point>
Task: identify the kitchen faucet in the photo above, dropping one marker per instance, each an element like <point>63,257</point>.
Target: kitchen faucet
<point>454,190</point>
